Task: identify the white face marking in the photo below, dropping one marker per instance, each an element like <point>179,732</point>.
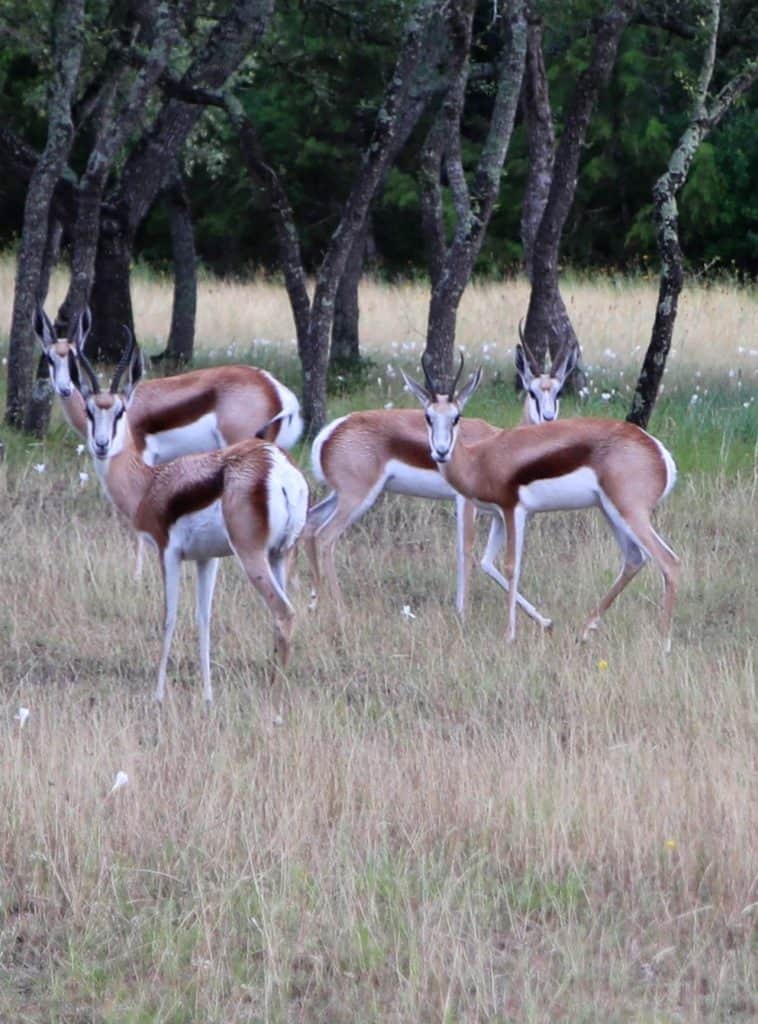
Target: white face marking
<point>105,428</point>
<point>543,399</point>
<point>442,418</point>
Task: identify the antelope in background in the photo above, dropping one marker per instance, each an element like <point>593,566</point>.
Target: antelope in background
<point>570,464</point>
<point>249,500</point>
<point>365,453</point>
<point>196,411</point>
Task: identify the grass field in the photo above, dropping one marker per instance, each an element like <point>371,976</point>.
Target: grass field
<point>442,827</point>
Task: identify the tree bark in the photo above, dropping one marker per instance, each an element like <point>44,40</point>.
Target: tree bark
<point>39,407</point>
<point>117,125</point>
<point>548,326</point>
<point>666,214</point>
<point>538,117</point>
<point>231,40</point>
<point>181,339</point>
<point>345,352</point>
<point>68,44</point>
<point>473,206</point>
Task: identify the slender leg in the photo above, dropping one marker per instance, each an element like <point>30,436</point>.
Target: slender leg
<point>670,569</point>
<point>494,544</point>
<point>172,575</point>
<point>349,509</point>
<point>318,517</point>
<point>465,521</point>
<point>516,528</point>
<point>206,581</point>
<point>260,574</point>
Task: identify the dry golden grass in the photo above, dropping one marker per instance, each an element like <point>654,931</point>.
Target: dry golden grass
<point>443,827</point>
<point>715,326</point>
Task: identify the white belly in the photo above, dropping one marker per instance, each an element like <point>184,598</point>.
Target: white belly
<point>201,535</point>
<point>418,483</point>
<point>202,435</point>
<point>579,489</point>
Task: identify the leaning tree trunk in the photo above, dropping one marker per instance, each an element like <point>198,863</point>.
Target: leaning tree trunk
<point>69,38</point>
<point>665,191</point>
<point>111,297</point>
<point>548,326</point>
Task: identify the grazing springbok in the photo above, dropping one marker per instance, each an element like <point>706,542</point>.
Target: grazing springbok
<point>570,464</point>
<point>365,453</point>
<point>249,500</point>
<point>197,411</point>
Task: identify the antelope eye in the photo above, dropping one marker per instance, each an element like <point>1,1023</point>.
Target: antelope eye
<point>456,418</point>
<point>428,419</point>
<point>90,417</point>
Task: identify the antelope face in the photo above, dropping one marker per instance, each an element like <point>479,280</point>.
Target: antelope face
<point>443,412</point>
<point>61,354</point>
<point>61,361</point>
<point>543,395</point>
<point>106,424</point>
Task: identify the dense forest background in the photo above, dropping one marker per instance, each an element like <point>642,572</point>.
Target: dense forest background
<point>313,88</point>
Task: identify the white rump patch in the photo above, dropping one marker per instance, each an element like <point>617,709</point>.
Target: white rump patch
<point>287,501</point>
<point>291,424</point>
<point>670,465</point>
<point>318,443</point>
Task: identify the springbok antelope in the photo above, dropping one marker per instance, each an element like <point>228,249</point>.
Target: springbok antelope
<point>543,387</point>
<point>248,500</point>
<point>197,411</point>
<point>365,453</point>
<point>570,464</point>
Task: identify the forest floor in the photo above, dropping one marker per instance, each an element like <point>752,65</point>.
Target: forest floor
<point>420,823</point>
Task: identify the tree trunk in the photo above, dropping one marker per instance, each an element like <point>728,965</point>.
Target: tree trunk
<point>111,298</point>
<point>665,191</point>
<point>345,350</point>
<point>68,43</point>
<point>184,259</point>
<point>473,207</point>
<point>540,140</point>
<point>548,326</point>
<point>37,415</point>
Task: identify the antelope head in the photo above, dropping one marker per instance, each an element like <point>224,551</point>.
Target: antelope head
<point>106,422</point>
<point>61,353</point>
<point>443,411</point>
<point>543,388</point>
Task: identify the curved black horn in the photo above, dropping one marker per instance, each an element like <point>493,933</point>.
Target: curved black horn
<point>429,383</point>
<point>124,361</point>
<point>87,367</point>
<point>454,385</point>
<point>529,356</point>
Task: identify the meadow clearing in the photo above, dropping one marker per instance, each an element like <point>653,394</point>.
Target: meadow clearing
<point>441,827</point>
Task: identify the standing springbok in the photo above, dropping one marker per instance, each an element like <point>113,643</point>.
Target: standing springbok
<point>570,464</point>
<point>197,411</point>
<point>248,500</point>
<point>365,453</point>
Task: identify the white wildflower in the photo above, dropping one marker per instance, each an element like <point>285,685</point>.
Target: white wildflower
<point>406,612</point>
<point>121,780</point>
<point>606,396</point>
<point>21,716</point>
<point>389,405</point>
<point>80,449</point>
<point>39,467</point>
<point>83,478</point>
<point>694,399</point>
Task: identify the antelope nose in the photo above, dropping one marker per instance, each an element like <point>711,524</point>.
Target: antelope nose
<point>548,417</point>
<point>101,449</point>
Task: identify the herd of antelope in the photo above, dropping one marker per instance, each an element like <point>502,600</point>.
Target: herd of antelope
<point>198,466</point>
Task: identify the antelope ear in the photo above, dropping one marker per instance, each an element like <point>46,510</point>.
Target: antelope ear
<point>523,369</point>
<point>469,387</point>
<point>43,329</point>
<point>416,389</point>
